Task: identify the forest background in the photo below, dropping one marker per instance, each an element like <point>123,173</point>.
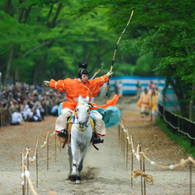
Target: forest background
<point>44,39</point>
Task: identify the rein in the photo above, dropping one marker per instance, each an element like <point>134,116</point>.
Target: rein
<point>80,128</point>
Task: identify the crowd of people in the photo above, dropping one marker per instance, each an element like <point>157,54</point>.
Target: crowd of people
<point>148,101</point>
<point>29,102</point>
<point>32,103</point>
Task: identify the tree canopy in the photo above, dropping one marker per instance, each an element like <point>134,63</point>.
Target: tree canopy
<point>164,29</point>
<point>46,39</point>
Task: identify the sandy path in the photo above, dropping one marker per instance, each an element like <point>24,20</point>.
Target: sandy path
<point>104,170</point>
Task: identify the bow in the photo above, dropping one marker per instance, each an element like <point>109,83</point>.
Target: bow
<point>114,55</point>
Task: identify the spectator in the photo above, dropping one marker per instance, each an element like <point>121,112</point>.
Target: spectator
<point>16,117</point>
<point>103,90</point>
<point>139,86</point>
<point>26,112</point>
<point>54,109</point>
<point>151,85</point>
<point>21,95</point>
<point>116,88</point>
<point>36,112</point>
<point>120,88</point>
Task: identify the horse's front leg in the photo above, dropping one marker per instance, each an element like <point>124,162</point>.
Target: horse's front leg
<point>74,158</point>
<point>83,152</point>
<point>70,158</point>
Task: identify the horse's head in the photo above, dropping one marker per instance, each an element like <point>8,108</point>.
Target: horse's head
<point>82,111</point>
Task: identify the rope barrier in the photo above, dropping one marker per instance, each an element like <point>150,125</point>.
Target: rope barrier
<point>147,177</point>
<point>26,174</point>
<point>141,156</point>
<point>137,154</point>
<point>25,171</point>
<point>134,173</point>
<point>177,128</point>
<point>45,142</point>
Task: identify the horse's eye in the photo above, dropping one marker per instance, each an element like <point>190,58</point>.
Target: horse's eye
<point>77,109</point>
<point>88,110</point>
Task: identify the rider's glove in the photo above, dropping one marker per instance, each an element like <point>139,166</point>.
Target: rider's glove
<point>90,105</point>
<point>46,83</point>
<point>109,74</point>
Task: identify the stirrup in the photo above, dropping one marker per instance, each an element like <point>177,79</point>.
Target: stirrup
<point>62,133</point>
<point>97,140</point>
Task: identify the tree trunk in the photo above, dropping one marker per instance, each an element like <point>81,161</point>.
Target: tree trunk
<point>9,8</point>
<point>191,110</point>
<point>178,89</point>
<point>39,72</point>
<point>9,63</point>
<point>53,24</point>
<point>35,74</point>
<point>17,74</point>
<point>26,14</point>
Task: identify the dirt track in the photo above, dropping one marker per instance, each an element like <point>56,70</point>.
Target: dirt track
<point>104,170</point>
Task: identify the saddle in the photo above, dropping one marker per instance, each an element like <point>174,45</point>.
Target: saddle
<point>64,135</point>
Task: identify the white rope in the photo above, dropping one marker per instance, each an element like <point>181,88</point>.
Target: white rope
<point>138,154</point>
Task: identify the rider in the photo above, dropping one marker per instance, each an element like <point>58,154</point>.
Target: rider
<point>74,87</point>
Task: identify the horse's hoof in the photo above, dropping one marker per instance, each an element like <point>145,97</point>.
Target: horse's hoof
<point>78,179</point>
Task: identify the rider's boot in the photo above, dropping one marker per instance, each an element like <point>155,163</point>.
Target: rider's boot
<point>96,139</point>
<point>62,133</point>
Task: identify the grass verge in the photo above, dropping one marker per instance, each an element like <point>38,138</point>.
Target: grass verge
<point>181,140</point>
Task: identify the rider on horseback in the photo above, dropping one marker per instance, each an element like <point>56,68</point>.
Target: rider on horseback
<point>74,87</point>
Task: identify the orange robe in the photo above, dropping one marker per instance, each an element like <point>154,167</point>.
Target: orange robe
<point>145,101</point>
<point>75,87</point>
<point>154,102</point>
<point>111,102</point>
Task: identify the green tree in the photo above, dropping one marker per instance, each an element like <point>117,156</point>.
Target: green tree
<point>49,41</point>
<point>163,28</point>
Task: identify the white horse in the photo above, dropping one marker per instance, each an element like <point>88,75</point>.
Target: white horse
<point>81,134</point>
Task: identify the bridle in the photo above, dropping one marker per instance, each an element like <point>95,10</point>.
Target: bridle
<point>76,116</point>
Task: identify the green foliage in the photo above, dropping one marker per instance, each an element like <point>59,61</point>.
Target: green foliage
<point>122,69</point>
<point>143,65</point>
<point>56,46</point>
<point>56,35</point>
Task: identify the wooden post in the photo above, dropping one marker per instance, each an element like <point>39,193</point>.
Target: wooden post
<point>48,152</point>
<point>132,164</point>
<point>121,140</point>
<point>27,165</point>
<point>124,143</point>
<point>190,177</point>
<point>144,171</point>
<point>23,182</point>
<point>141,168</point>
<point>37,168</point>
<point>127,154</point>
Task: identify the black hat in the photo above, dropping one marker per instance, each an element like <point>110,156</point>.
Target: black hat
<point>82,71</point>
<point>83,65</point>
